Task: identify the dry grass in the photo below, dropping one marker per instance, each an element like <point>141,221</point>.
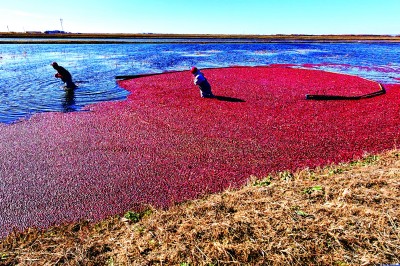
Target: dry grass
<point>339,215</point>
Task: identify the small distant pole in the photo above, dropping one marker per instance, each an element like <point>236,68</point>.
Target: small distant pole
<point>8,28</point>
<point>61,21</point>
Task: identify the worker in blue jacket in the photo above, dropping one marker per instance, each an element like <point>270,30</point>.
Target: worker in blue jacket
<point>201,81</point>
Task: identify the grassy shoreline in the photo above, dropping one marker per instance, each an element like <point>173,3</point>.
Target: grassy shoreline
<point>342,214</point>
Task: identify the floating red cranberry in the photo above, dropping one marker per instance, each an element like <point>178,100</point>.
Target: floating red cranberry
<point>165,144</point>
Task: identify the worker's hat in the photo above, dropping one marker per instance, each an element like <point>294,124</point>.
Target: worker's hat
<point>194,70</point>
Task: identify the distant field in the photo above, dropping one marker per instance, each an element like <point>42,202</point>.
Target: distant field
<point>266,38</point>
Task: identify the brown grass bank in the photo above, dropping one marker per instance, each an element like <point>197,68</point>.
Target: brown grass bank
<point>347,214</point>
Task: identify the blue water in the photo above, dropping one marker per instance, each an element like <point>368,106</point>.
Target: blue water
<point>28,85</point>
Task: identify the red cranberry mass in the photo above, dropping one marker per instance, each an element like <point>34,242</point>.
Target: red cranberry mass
<point>165,144</point>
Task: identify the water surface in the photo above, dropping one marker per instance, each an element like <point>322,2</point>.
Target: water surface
<point>28,85</point>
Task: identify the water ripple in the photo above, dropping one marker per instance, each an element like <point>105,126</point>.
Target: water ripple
<point>28,85</point>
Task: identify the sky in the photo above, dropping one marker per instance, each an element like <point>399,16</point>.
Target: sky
<point>203,16</point>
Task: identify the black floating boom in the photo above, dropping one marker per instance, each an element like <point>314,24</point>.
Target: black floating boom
<point>340,97</point>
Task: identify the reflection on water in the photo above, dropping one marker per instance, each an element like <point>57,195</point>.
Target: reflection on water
<point>68,101</point>
<point>28,85</point>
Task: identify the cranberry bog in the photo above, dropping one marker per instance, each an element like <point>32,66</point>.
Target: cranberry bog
<point>165,144</point>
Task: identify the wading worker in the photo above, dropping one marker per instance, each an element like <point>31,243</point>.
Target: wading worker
<point>201,81</point>
<point>64,75</point>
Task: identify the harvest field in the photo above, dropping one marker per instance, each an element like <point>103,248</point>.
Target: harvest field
<point>164,144</point>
